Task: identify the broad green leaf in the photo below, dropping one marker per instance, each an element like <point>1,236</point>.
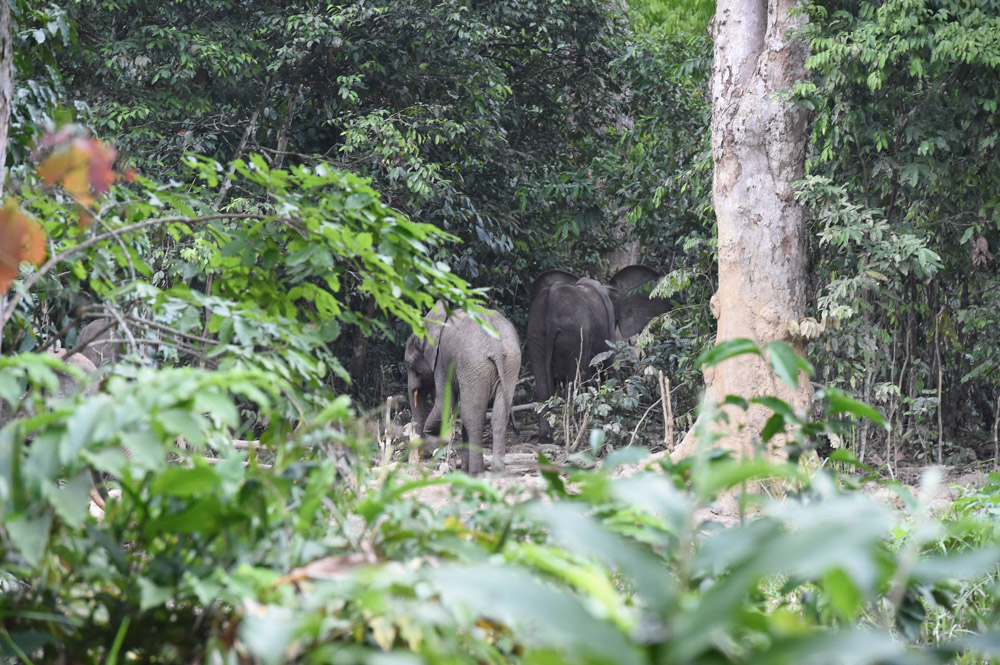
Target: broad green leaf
<point>572,528</point>
<point>856,646</point>
<point>727,474</point>
<point>587,578</point>
<point>959,566</point>
<point>655,494</point>
<point>541,614</point>
<point>182,422</point>
<point>624,456</point>
<point>180,481</point>
<point>841,403</point>
<point>985,644</point>
<point>844,596</point>
<point>147,450</point>
<point>29,536</point>
<point>725,350</point>
<point>151,595</point>
<point>786,363</point>
<point>72,500</point>
<point>91,419</point>
<point>267,632</point>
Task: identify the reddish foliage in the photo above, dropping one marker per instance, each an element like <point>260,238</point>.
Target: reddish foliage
<point>21,239</point>
<point>82,166</point>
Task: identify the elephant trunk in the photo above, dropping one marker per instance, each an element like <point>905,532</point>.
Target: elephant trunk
<point>420,402</point>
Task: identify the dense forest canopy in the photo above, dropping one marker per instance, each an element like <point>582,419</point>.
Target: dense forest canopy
<point>249,207</point>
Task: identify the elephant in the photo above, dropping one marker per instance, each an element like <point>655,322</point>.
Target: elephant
<point>571,320</point>
<point>483,368</point>
<point>98,347</point>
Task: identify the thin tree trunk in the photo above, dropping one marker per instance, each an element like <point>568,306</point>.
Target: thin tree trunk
<point>6,85</point>
<point>940,382</point>
<point>247,133</point>
<point>286,126</point>
<point>758,149</point>
<point>359,358</point>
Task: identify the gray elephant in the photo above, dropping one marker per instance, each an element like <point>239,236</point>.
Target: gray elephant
<point>484,369</point>
<point>95,338</point>
<point>571,320</point>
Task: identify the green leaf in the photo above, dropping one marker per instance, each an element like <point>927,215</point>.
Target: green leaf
<point>148,451</point>
<point>727,474</point>
<point>151,595</point>
<point>844,596</point>
<point>540,613</point>
<point>29,536</point>
<point>725,350</point>
<point>656,495</point>
<point>71,501</point>
<point>775,425</point>
<point>838,402</point>
<point>267,633</point>
<point>178,481</point>
<point>960,566</point>
<point>786,363</point>
<point>182,422</point>
<point>578,533</point>
<point>92,419</point>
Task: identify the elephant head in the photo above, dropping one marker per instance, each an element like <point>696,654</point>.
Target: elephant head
<point>634,308</point>
<point>572,319</point>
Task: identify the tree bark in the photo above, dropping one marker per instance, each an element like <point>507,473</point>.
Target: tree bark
<point>247,133</point>
<point>286,126</point>
<point>6,85</point>
<point>758,149</point>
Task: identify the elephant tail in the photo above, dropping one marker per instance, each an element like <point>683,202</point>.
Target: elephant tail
<point>502,393</point>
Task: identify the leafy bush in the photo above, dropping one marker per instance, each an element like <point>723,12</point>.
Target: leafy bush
<point>322,557</point>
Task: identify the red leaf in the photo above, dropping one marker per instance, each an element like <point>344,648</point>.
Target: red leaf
<point>21,239</point>
<point>81,165</point>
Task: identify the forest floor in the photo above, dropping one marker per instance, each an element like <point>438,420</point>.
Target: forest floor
<point>521,478</point>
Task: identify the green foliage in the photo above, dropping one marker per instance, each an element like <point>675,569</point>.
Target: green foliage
<point>38,33</point>
<point>302,552</point>
<point>269,288</point>
<point>902,189</point>
<point>462,114</point>
<point>676,17</point>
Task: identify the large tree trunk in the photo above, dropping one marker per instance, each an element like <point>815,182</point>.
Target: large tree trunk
<point>758,148</point>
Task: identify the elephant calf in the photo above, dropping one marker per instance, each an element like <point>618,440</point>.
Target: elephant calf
<point>484,369</point>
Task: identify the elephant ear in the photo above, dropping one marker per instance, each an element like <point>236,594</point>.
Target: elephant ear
<point>547,279</point>
<point>630,277</point>
<point>633,306</point>
<point>414,350</point>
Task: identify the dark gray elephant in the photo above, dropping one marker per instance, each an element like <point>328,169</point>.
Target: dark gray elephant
<point>572,319</point>
<point>484,369</point>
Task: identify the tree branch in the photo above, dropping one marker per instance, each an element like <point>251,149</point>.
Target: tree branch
<point>33,279</point>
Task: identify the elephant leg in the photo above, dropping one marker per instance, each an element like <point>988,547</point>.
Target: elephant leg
<point>473,418</point>
<point>463,449</point>
<point>545,387</point>
<point>501,413</point>
<point>503,403</point>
